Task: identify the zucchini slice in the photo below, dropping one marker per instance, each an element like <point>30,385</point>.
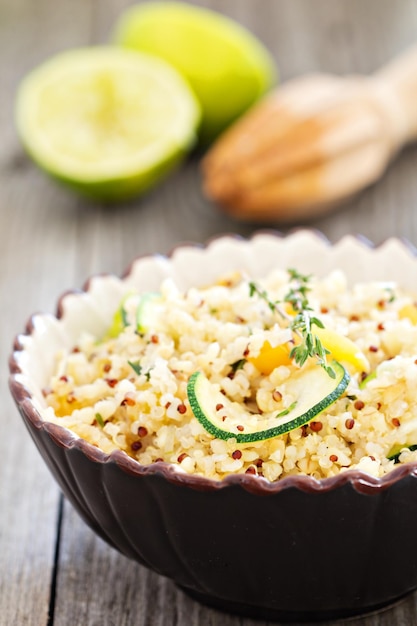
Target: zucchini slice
<point>149,314</point>
<point>367,380</point>
<point>394,453</point>
<point>120,319</point>
<point>312,391</point>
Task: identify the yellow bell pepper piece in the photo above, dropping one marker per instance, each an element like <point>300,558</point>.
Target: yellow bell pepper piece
<point>408,311</point>
<point>342,348</point>
<point>271,357</point>
<point>288,308</point>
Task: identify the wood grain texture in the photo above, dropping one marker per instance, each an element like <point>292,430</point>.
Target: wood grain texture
<point>51,240</point>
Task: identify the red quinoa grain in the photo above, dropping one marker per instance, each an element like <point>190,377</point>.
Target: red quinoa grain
<point>129,399</point>
<point>316,426</point>
<point>276,395</point>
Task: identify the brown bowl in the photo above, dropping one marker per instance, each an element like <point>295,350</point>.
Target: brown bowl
<point>297,549</point>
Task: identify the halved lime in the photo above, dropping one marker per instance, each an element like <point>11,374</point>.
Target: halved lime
<point>106,121</point>
<point>227,66</point>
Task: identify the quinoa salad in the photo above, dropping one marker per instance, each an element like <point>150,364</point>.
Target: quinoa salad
<point>328,369</point>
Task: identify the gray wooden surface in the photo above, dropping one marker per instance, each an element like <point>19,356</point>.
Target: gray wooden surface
<point>53,570</point>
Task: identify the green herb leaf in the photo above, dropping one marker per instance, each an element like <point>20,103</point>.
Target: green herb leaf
<point>138,369</point>
<point>237,365</point>
<point>391,293</point>
<point>287,410</point>
<point>136,366</point>
<point>99,420</point>
<point>302,323</point>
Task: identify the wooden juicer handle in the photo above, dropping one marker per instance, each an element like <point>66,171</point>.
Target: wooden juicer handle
<point>313,142</point>
<point>396,85</point>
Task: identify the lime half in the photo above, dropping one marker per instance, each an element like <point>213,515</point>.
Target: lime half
<point>227,66</point>
<point>106,121</point>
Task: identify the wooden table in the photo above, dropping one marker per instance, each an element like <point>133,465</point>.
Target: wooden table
<point>53,570</point>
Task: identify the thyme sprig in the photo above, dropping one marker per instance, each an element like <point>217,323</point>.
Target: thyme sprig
<point>302,322</point>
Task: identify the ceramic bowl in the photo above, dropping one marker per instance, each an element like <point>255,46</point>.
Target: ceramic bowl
<point>298,549</point>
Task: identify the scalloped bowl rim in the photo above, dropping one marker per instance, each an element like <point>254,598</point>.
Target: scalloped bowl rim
<point>24,398</point>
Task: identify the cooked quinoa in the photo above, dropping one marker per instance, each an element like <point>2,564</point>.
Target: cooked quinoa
<point>128,389</point>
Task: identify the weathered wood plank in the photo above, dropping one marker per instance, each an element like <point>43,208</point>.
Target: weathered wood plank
<point>29,499</point>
